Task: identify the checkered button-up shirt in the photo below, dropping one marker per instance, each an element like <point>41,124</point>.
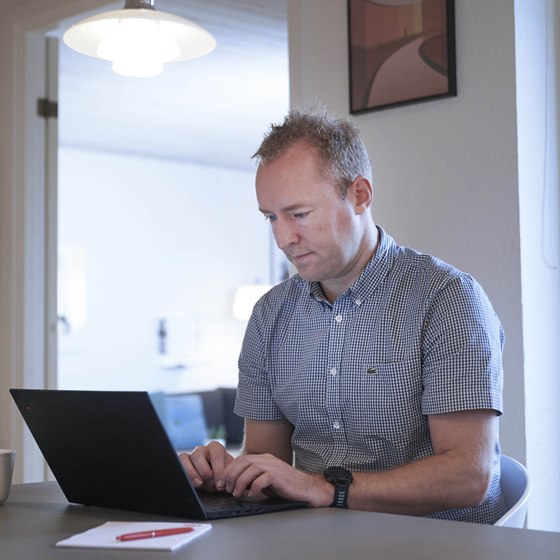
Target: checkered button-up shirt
<point>357,378</point>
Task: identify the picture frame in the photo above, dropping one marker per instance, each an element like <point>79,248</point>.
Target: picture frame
<point>400,52</point>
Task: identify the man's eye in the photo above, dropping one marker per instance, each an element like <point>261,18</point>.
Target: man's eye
<point>301,214</point>
<point>270,218</point>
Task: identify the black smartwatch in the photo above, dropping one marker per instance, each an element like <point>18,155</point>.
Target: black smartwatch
<point>341,478</point>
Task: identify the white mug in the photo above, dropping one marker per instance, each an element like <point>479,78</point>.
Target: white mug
<point>7,460</point>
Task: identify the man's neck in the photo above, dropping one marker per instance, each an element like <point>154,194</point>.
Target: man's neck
<point>335,287</point>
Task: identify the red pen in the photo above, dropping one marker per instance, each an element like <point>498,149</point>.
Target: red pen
<point>154,534</point>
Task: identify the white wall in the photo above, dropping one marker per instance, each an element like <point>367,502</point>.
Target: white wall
<point>162,240</point>
<point>537,33</point>
<point>445,171</point>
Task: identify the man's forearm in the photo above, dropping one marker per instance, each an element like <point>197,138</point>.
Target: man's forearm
<point>432,484</point>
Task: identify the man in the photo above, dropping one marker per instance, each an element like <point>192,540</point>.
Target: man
<point>372,379</point>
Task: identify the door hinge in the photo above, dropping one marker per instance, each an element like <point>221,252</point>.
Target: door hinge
<point>46,108</point>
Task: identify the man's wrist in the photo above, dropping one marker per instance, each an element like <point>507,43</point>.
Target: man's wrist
<point>324,492</point>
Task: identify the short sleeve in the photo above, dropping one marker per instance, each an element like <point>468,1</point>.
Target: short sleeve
<point>462,350</point>
<point>254,392</point>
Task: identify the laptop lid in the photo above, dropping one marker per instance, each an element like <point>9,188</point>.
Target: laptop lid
<point>109,449</point>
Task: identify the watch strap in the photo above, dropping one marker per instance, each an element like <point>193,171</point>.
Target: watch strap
<point>340,495</point>
<point>341,479</point>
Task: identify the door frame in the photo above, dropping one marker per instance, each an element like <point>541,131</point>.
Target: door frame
<point>26,225</point>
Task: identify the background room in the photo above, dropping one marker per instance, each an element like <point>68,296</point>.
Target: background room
<point>158,225</point>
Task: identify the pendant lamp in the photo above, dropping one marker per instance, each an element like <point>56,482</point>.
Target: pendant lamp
<point>139,39</point>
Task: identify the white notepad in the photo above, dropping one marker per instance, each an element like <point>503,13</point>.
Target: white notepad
<point>105,536</point>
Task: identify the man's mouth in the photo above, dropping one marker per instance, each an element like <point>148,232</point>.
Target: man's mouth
<point>298,258</point>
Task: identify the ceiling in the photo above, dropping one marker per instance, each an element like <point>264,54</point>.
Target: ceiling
<point>213,110</point>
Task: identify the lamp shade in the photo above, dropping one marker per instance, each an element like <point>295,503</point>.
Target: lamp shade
<point>139,41</point>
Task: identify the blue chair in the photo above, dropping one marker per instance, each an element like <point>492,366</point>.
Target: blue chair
<point>516,489</point>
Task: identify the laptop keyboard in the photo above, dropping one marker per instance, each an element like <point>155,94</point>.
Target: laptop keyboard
<point>216,503</point>
<point>224,505</point>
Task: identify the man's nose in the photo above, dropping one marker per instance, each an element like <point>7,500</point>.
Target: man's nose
<point>284,234</point>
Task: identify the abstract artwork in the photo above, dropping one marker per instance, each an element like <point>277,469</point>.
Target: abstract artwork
<point>400,52</point>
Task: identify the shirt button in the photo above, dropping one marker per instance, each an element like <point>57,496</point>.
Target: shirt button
<point>336,425</point>
<point>358,302</point>
<point>333,371</point>
<point>338,318</point>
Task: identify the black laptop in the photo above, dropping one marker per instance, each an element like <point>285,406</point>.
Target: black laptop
<point>109,449</point>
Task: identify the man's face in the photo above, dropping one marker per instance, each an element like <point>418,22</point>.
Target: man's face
<point>318,230</point>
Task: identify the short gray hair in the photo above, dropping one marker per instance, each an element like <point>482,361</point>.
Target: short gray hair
<point>336,139</point>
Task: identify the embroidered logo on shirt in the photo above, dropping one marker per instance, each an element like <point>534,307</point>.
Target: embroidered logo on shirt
<point>371,371</point>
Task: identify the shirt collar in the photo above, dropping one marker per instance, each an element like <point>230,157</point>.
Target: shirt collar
<point>373,274</point>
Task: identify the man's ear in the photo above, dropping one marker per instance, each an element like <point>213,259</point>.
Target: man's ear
<point>362,193</point>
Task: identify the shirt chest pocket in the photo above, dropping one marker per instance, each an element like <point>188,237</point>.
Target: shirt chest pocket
<point>385,392</point>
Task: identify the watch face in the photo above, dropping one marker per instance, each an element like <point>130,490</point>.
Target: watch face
<point>338,475</point>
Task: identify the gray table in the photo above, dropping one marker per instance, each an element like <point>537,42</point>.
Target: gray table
<point>36,516</point>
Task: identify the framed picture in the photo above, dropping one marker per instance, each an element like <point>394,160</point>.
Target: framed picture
<point>400,52</point>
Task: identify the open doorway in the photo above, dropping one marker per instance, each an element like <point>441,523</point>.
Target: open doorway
<point>157,218</point>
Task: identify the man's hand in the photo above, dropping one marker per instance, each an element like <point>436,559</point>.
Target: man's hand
<point>206,464</point>
<point>264,475</point>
